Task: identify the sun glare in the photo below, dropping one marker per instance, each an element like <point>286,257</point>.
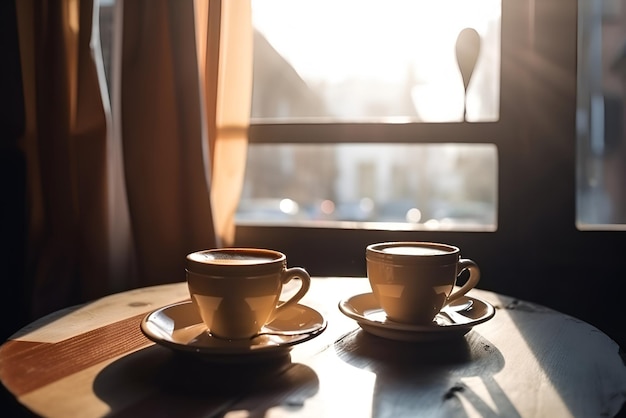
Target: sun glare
<point>334,42</point>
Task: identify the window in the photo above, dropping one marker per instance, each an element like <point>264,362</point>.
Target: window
<point>600,115</point>
<point>364,60</point>
<point>387,186</point>
<point>331,81</point>
<point>518,186</point>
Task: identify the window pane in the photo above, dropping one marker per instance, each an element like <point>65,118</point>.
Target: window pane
<point>601,91</point>
<point>375,60</point>
<point>393,186</point>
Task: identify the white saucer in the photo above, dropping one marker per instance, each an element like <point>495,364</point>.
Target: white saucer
<point>370,316</point>
<point>179,327</point>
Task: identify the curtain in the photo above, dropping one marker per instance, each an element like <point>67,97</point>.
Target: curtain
<point>122,183</point>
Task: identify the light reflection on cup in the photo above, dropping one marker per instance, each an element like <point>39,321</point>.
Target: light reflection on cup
<point>413,281</point>
<point>237,290</point>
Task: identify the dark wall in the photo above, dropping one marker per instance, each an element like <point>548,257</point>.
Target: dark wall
<point>14,304</point>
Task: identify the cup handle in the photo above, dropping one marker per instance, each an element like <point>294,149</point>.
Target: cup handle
<point>472,281</point>
<point>305,283</point>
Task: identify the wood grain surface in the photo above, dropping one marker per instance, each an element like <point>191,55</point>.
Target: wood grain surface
<point>528,361</point>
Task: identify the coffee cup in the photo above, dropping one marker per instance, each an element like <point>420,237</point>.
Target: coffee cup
<point>237,290</point>
<point>413,281</point>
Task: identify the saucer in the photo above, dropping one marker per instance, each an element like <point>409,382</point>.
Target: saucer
<point>370,316</point>
<point>179,327</point>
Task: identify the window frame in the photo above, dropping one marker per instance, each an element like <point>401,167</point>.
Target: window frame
<point>285,237</point>
<point>336,133</point>
<point>537,249</point>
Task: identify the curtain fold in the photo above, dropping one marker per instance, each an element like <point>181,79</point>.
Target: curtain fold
<point>121,190</point>
<point>64,140</point>
<point>226,66</point>
<point>163,136</point>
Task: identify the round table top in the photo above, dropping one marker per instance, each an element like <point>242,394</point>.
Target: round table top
<point>527,361</point>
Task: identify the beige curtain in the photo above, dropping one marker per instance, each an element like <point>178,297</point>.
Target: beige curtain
<point>122,186</point>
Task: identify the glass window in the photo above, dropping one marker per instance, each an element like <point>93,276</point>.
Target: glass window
<point>389,186</point>
<point>374,60</point>
<point>601,88</point>
<point>337,75</point>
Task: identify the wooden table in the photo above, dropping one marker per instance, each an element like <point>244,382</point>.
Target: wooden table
<point>527,361</point>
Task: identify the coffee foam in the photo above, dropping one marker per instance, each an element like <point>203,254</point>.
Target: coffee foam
<point>234,258</point>
<point>414,250</point>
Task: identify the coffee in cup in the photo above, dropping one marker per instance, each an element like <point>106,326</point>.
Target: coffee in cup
<point>413,281</point>
<point>237,290</point>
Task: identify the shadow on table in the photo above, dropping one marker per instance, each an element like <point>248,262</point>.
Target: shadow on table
<point>156,381</point>
<point>426,377</point>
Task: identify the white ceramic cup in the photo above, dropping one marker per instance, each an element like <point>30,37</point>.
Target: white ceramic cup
<point>413,281</point>
<point>237,290</point>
